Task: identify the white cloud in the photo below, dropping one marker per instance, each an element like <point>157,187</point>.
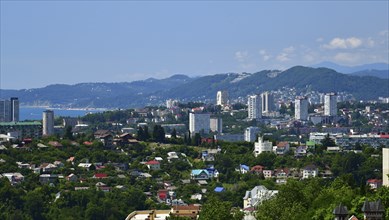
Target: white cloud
<point>289,49</point>
<point>283,57</point>
<point>265,56</point>
<point>343,43</point>
<point>241,56</point>
<point>350,58</point>
<point>320,39</point>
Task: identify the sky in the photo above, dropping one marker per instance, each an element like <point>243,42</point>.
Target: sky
<point>69,42</point>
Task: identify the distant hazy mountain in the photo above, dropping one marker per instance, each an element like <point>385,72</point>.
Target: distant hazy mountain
<point>353,69</point>
<point>155,91</point>
<point>383,74</point>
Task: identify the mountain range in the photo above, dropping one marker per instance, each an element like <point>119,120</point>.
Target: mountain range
<point>155,91</point>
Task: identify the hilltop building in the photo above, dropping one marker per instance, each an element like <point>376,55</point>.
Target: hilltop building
<point>199,123</point>
<point>301,109</point>
<point>254,107</point>
<point>48,123</point>
<point>262,146</point>
<point>9,110</point>
<point>330,104</point>
<point>222,98</point>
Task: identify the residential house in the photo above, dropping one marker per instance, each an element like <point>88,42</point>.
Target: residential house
<point>257,169</point>
<point>282,174</point>
<point>14,178</point>
<point>301,151</point>
<point>189,211</point>
<point>213,173</point>
<point>163,194</point>
<point>282,148</point>
<point>268,173</point>
<point>153,165</point>
<point>72,178</point>
<point>243,169</point>
<point>257,195</point>
<point>200,174</point>
<point>310,171</point>
<point>374,183</point>
<point>209,154</point>
<point>87,166</point>
<point>105,137</point>
<point>48,178</point>
<point>100,176</point>
<point>47,167</point>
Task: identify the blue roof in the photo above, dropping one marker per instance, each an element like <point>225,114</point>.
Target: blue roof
<point>219,189</point>
<point>245,167</point>
<point>198,172</point>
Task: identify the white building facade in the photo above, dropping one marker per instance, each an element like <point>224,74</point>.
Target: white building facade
<point>216,125</point>
<point>48,123</point>
<point>330,104</point>
<point>222,98</point>
<point>250,134</point>
<point>262,146</point>
<point>301,109</point>
<point>254,107</point>
<point>199,123</point>
<point>267,102</point>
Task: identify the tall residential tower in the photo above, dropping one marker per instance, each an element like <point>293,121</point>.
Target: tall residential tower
<point>48,123</point>
<point>301,109</point>
<point>330,104</point>
<point>254,107</point>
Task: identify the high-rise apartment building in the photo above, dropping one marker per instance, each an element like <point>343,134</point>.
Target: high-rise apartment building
<point>199,123</point>
<point>9,110</point>
<point>250,134</point>
<point>254,107</point>
<point>48,123</point>
<point>330,104</point>
<point>216,125</point>
<point>267,102</point>
<point>301,109</point>
<point>385,166</point>
<point>222,98</point>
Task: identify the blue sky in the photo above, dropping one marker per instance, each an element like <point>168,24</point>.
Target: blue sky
<point>68,42</point>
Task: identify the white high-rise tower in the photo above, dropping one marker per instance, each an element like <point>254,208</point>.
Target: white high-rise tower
<point>254,107</point>
<point>301,109</point>
<point>48,123</point>
<point>330,104</point>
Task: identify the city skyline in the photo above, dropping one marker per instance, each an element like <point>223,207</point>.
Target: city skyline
<point>45,43</point>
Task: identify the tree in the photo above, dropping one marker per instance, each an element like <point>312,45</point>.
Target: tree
<point>216,210</point>
<point>327,141</point>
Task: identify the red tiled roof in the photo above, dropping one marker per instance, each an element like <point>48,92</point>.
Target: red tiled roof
<point>152,162</point>
<point>100,175</point>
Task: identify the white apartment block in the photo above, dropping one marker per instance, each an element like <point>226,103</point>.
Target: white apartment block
<point>250,134</point>
<point>216,125</point>
<point>262,146</point>
<point>222,98</point>
<point>267,102</point>
<point>254,107</point>
<point>48,123</point>
<point>199,122</point>
<point>301,109</point>
<point>330,104</point>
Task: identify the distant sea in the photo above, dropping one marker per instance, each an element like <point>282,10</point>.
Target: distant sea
<point>35,113</point>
